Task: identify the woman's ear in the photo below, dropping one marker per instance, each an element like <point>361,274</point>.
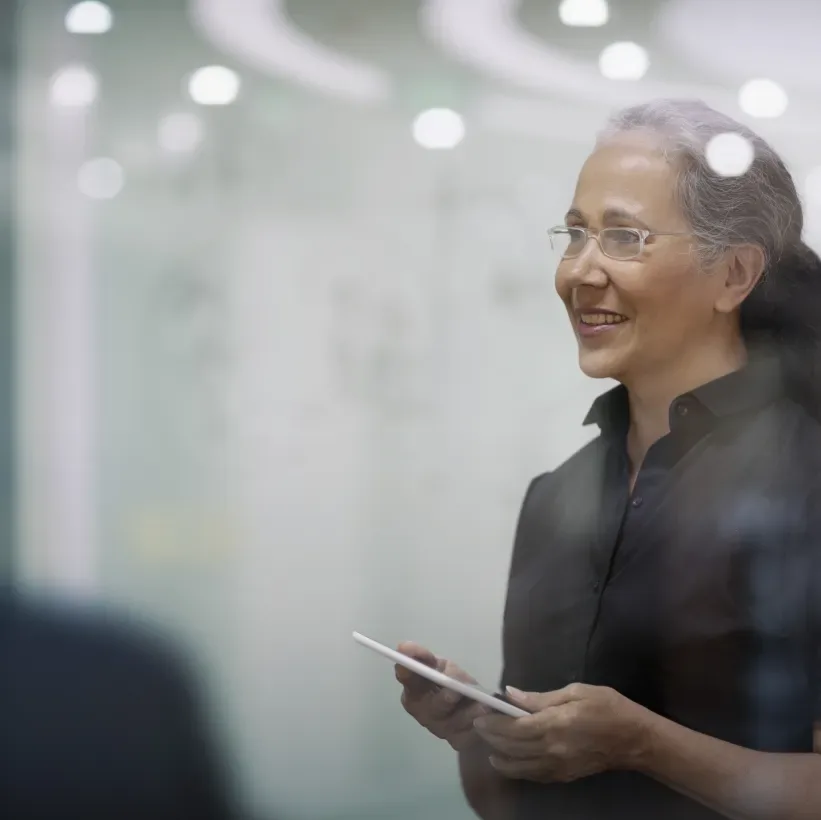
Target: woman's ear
<point>743,271</point>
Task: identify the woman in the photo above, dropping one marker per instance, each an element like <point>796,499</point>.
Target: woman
<point>662,619</point>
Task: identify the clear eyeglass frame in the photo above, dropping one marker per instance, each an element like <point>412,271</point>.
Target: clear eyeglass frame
<point>616,243</point>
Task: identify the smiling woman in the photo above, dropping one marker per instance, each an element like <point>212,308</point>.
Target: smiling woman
<point>663,617</point>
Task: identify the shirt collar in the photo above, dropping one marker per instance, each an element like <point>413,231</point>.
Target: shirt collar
<point>751,387</point>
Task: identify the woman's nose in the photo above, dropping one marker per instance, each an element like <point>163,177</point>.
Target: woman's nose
<point>588,268</point>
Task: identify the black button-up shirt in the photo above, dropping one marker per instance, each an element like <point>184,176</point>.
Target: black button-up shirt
<point>693,596</point>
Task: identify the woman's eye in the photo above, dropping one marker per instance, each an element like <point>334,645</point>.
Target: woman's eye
<point>623,236</point>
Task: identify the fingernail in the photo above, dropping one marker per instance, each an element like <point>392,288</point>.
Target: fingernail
<point>517,693</point>
<point>480,723</point>
<point>494,761</point>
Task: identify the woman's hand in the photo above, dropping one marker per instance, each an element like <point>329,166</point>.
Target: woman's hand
<point>442,712</point>
<point>574,732</point>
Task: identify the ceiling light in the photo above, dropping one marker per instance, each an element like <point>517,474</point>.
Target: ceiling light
<point>101,178</point>
<point>762,98</point>
<point>180,133</point>
<point>584,12</point>
<point>624,61</point>
<point>260,34</point>
<point>73,87</point>
<point>730,154</point>
<point>488,36</point>
<point>438,128</point>
<point>214,85</point>
<point>90,17</point>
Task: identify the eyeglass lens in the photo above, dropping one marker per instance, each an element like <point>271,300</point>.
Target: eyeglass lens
<point>619,243</point>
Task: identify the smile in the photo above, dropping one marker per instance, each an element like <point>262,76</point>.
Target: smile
<point>594,319</point>
<point>593,324</point>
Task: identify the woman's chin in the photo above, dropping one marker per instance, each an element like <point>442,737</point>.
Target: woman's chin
<point>599,364</point>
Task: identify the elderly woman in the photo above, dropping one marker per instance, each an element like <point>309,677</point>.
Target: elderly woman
<point>663,609</point>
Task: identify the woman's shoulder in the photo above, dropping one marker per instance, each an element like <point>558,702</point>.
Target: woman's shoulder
<point>581,467</point>
<point>796,437</point>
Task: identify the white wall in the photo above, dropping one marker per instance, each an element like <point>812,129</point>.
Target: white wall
<point>323,387</point>
<point>325,364</point>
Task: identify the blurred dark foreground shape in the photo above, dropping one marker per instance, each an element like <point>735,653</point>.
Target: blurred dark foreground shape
<point>99,720</point>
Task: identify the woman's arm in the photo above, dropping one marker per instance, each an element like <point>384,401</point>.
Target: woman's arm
<point>582,730</point>
<point>739,783</point>
<point>486,791</point>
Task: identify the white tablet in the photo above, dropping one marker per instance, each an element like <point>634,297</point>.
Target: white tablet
<point>468,690</point>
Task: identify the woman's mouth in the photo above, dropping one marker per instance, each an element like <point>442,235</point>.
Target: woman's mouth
<point>593,323</point>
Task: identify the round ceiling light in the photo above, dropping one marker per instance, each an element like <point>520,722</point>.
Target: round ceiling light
<point>588,13</point>
<point>730,154</point>
<point>89,17</point>
<point>624,61</point>
<point>438,129</point>
<point>763,98</point>
<point>214,85</point>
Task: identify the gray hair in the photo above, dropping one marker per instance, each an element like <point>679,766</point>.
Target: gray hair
<point>760,206</point>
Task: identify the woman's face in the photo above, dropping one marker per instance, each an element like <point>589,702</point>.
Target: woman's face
<point>662,301</point>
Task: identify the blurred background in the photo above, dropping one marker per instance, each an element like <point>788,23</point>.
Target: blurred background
<point>280,332</point>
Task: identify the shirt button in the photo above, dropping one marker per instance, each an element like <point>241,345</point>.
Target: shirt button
<point>596,586</point>
<point>637,501</point>
<point>682,409</point>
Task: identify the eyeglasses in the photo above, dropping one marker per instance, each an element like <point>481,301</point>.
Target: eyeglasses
<point>617,243</point>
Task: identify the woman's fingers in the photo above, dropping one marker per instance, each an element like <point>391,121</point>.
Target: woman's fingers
<point>415,684</point>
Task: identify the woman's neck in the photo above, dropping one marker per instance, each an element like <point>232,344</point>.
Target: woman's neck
<point>651,395</point>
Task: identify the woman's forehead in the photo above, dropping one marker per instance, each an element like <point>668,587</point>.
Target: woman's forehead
<point>633,176</point>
